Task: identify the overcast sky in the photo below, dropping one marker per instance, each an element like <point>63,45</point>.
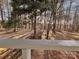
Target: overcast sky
<point>74,4</point>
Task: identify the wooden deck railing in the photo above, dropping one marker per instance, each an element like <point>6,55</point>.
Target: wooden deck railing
<point>27,45</point>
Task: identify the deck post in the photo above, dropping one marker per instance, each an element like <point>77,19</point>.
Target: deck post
<point>26,53</point>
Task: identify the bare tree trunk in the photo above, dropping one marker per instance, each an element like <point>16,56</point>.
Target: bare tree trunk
<point>14,22</point>
<point>1,10</point>
<point>49,27</point>
<point>32,24</point>
<point>54,22</point>
<point>68,19</point>
<point>45,21</point>
<point>8,9</point>
<point>47,37</point>
<point>35,25</point>
<point>58,25</point>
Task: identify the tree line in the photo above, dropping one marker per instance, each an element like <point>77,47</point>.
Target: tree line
<point>48,14</point>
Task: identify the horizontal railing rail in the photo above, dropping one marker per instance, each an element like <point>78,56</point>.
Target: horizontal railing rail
<point>40,44</point>
<point>26,45</point>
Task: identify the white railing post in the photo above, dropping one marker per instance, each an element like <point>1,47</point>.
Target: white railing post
<point>26,53</point>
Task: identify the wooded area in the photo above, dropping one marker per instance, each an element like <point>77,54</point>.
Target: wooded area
<point>45,14</point>
<point>40,19</point>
